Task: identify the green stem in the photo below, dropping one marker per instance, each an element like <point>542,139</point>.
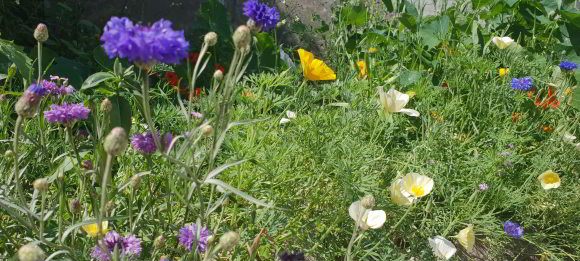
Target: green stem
<point>42,206</point>
<point>78,157</point>
<point>39,62</point>
<point>61,206</point>
<point>351,243</point>
<point>400,221</point>
<point>15,169</point>
<point>104,193</point>
<point>131,197</point>
<point>147,110</point>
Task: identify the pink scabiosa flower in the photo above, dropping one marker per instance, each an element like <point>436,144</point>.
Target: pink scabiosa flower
<point>142,44</point>
<point>196,115</point>
<point>57,89</point>
<point>483,186</point>
<point>67,113</point>
<point>129,247</point>
<point>144,143</point>
<point>187,236</point>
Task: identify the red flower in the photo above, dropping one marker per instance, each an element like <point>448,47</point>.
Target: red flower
<point>172,78</point>
<point>219,67</point>
<point>444,84</point>
<point>550,100</point>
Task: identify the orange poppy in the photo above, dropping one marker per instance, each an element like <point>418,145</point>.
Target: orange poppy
<point>549,101</point>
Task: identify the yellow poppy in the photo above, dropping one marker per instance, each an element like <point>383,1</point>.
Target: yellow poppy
<point>466,238</point>
<point>93,230</point>
<point>549,180</point>
<point>314,69</point>
<point>372,50</point>
<point>362,68</point>
<point>503,72</point>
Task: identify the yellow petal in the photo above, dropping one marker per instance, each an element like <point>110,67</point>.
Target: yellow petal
<point>466,238</point>
<point>362,69</point>
<point>549,180</point>
<point>398,195</point>
<point>314,69</point>
<point>93,230</point>
<point>306,58</point>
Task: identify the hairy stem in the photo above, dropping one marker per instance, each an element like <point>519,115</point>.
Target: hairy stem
<point>106,175</point>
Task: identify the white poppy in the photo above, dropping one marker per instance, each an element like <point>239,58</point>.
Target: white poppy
<point>466,238</point>
<point>567,137</point>
<point>290,114</point>
<point>400,196</point>
<point>502,42</point>
<point>375,219</point>
<point>395,101</point>
<point>549,180</point>
<point>356,211</point>
<point>442,248</point>
<point>417,185</point>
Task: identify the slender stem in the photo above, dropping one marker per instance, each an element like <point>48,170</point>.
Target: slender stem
<point>104,192</point>
<point>79,162</point>
<point>61,207</point>
<point>131,197</point>
<point>147,110</point>
<point>15,169</point>
<point>39,62</point>
<point>42,206</point>
<point>400,221</point>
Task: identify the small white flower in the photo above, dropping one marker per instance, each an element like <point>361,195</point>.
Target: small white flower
<point>502,42</point>
<point>442,248</point>
<point>395,101</point>
<point>284,120</point>
<point>291,116</point>
<point>567,137</point>
<point>366,218</point>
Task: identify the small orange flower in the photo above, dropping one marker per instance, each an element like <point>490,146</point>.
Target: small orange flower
<point>249,94</point>
<point>547,128</point>
<point>516,116</point>
<point>362,68</point>
<point>531,93</point>
<point>567,91</point>
<point>549,101</point>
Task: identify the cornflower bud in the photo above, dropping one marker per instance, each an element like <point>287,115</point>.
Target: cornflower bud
<point>41,185</point>
<point>9,154</point>
<point>210,38</point>
<point>30,252</point>
<point>88,164</point>
<point>116,141</point>
<point>242,37</point>
<point>159,242</point>
<point>3,97</point>
<point>75,206</point>
<point>207,130</point>
<point>368,202</point>
<point>41,33</point>
<point>218,75</point>
<point>106,105</point>
<point>27,104</point>
<point>229,239</point>
<point>135,182</point>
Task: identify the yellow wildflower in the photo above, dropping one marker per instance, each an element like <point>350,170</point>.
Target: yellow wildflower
<point>314,69</point>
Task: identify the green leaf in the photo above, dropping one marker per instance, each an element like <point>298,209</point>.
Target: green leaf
<point>572,16</point>
<point>511,2</point>
<point>121,113</point>
<point>408,78</point>
<point>410,8</point>
<point>14,54</point>
<point>389,5</point>
<point>409,21</point>
<point>221,168</point>
<point>96,79</point>
<point>354,15</point>
<point>73,70</point>
<point>574,32</point>
<point>576,99</point>
<point>102,59</point>
<point>434,32</point>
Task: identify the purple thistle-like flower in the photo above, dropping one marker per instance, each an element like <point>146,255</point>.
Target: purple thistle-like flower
<point>144,143</point>
<point>569,66</point>
<point>66,113</point>
<point>188,233</point>
<point>144,44</point>
<point>167,139</point>
<point>37,90</point>
<point>522,84</point>
<point>513,229</point>
<point>268,17</point>
<point>196,115</point>
<point>52,88</point>
<point>290,256</point>
<point>483,186</point>
<point>129,247</point>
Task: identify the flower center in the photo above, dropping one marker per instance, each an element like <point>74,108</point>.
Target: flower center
<point>417,191</point>
<point>550,179</point>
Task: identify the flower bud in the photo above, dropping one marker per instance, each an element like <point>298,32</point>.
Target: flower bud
<point>30,252</point>
<point>368,202</point>
<point>110,205</point>
<point>210,38</point>
<point>41,185</point>
<point>27,105</point>
<point>75,206</point>
<point>159,242</point>
<point>106,105</point>
<point>135,182</point>
<point>41,33</point>
<point>116,141</point>
<point>229,239</point>
<point>207,130</point>
<point>281,23</point>
<point>88,164</point>
<point>242,37</point>
<point>218,75</point>
<point>9,154</point>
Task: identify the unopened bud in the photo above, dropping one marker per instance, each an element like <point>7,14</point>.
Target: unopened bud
<point>31,252</point>
<point>27,105</point>
<point>3,97</point>
<point>135,182</point>
<point>218,75</point>
<point>229,239</point>
<point>116,141</point>
<point>281,23</point>
<point>88,164</point>
<point>159,242</point>
<point>210,38</point>
<point>106,105</point>
<point>41,185</point>
<point>242,37</point>
<point>110,205</point>
<point>368,202</point>
<point>41,33</point>
<point>207,130</point>
<point>9,154</point>
<point>75,206</point>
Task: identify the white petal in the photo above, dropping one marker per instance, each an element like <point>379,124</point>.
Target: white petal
<point>375,219</point>
<point>291,114</point>
<point>442,248</point>
<point>398,195</point>
<point>396,100</point>
<point>284,120</point>
<point>356,211</point>
<point>568,137</point>
<point>410,112</point>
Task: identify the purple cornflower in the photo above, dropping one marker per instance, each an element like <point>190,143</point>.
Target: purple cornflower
<point>37,90</point>
<point>188,233</point>
<point>144,143</point>
<point>66,113</point>
<point>290,256</point>
<point>513,229</point>
<point>483,186</point>
<point>54,89</point>
<point>569,66</point>
<point>522,84</point>
<point>265,16</point>
<point>129,247</point>
<point>167,139</point>
<point>196,115</point>
<point>142,44</point>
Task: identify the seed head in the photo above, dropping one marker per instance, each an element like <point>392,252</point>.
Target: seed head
<point>41,185</point>
<point>229,239</point>
<point>210,38</point>
<point>41,33</point>
<point>27,104</point>
<point>116,141</point>
<point>74,206</point>
<point>242,37</point>
<point>368,201</point>
<point>218,75</point>
<point>106,105</point>
<point>207,130</point>
<point>135,182</point>
<point>159,242</point>
<point>31,252</point>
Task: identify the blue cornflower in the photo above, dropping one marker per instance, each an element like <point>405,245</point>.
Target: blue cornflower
<point>187,235</point>
<point>142,44</point>
<point>38,90</point>
<point>513,229</point>
<point>129,247</point>
<point>522,84</point>
<point>265,16</point>
<point>565,65</point>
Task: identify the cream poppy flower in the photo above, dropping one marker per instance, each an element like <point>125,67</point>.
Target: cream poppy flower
<point>569,138</point>
<point>395,101</point>
<point>549,180</point>
<point>466,238</point>
<point>417,185</point>
<point>93,230</point>
<point>442,248</point>
<point>502,42</point>
<point>290,114</point>
<point>400,196</point>
<point>366,218</point>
